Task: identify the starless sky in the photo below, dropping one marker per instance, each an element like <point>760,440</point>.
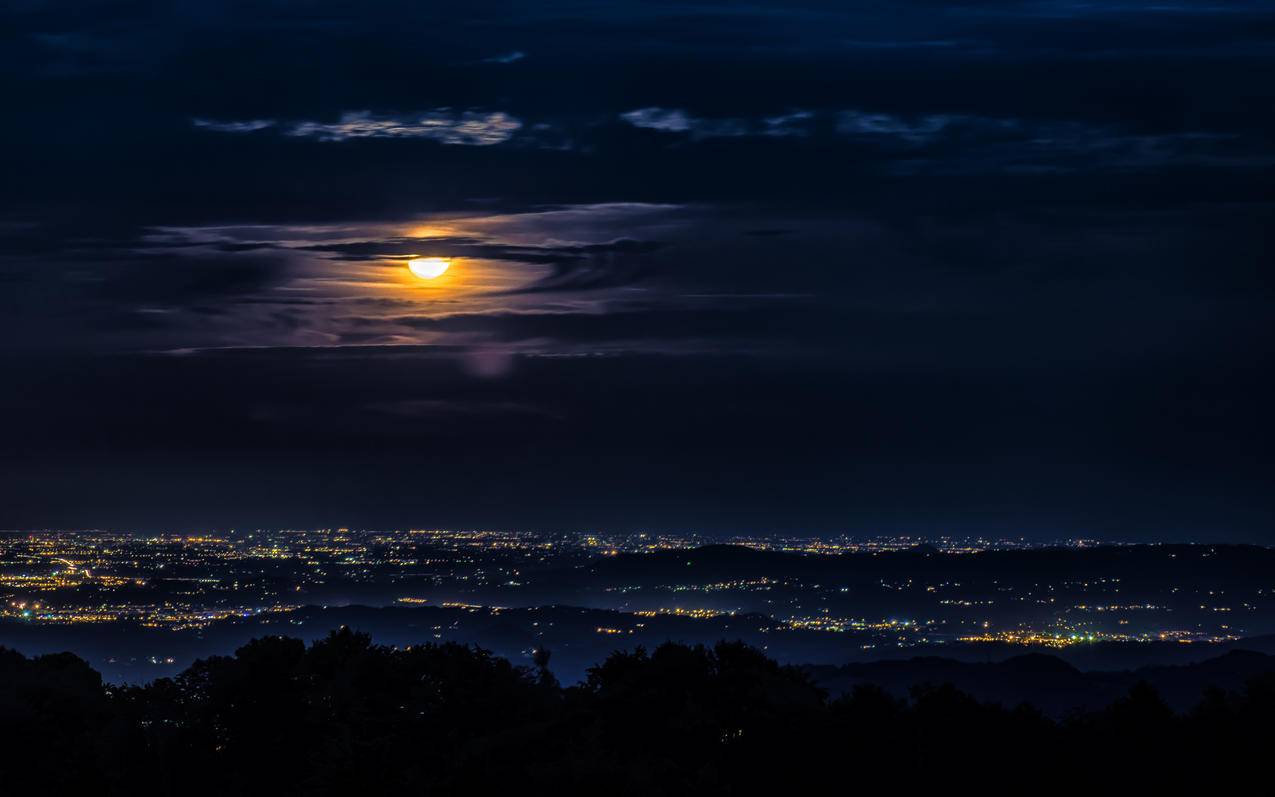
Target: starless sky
<point>907,266</point>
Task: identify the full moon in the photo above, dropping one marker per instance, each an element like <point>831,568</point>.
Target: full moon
<point>428,268</point>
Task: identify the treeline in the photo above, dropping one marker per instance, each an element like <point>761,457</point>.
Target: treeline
<point>346,716</point>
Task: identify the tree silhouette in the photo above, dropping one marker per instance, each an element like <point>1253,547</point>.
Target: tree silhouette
<point>345,715</point>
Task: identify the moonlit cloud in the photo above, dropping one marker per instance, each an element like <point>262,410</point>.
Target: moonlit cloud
<point>473,128</point>
<point>346,284</point>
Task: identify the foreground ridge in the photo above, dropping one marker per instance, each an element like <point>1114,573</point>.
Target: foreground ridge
<point>279,717</point>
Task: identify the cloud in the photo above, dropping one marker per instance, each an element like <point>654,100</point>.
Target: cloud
<point>967,143</point>
<point>884,124</point>
<point>245,126</point>
<point>507,58</point>
<point>668,120</point>
<point>574,266</point>
<point>794,123</point>
<point>920,128</point>
<point>471,128</point>
<point>672,120</point>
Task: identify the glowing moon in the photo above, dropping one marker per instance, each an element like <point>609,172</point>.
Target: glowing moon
<point>428,268</point>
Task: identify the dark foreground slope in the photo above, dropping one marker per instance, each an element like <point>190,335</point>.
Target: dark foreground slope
<point>347,716</point>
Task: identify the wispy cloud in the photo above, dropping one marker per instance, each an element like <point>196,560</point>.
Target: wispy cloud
<point>667,119</point>
<point>474,128</point>
<point>802,123</point>
<point>506,58</point>
<point>674,120</point>
<point>796,123</point>
<point>471,128</point>
<point>884,124</point>
<point>244,126</point>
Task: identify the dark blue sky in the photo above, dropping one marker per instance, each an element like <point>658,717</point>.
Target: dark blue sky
<point>913,266</point>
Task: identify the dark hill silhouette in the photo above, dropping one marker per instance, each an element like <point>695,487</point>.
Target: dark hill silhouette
<point>1047,682</point>
<point>1037,664</point>
<point>344,715</point>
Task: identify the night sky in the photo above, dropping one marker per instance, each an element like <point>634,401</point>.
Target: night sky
<point>900,267</point>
